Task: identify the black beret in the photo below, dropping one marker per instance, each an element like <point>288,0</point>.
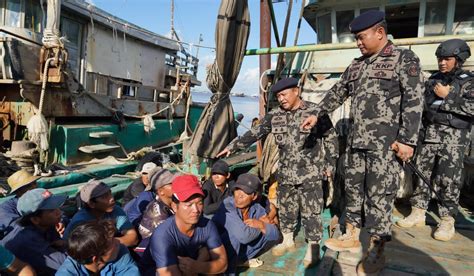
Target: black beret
<point>366,20</point>
<point>284,84</point>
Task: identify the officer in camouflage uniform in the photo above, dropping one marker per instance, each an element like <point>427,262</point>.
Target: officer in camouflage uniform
<point>447,119</point>
<point>301,166</point>
<point>386,89</point>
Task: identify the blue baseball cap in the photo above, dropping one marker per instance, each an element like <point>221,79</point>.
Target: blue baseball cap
<point>39,199</point>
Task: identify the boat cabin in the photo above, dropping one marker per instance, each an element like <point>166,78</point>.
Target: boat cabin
<point>109,65</point>
<point>419,25</point>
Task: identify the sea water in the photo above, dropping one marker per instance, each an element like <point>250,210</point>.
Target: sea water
<point>247,106</point>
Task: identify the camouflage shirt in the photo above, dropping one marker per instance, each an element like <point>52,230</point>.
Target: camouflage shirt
<point>302,157</point>
<point>386,93</point>
<point>449,120</point>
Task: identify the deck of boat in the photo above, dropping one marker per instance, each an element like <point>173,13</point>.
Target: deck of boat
<point>411,252</point>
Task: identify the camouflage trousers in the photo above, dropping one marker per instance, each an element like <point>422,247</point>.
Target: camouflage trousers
<point>371,183</point>
<point>443,165</point>
<point>305,200</point>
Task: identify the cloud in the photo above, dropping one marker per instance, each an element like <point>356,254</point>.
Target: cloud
<point>206,60</point>
<point>247,81</point>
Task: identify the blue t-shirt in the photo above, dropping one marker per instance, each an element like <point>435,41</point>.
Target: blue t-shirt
<point>8,215</point>
<point>6,258</point>
<point>121,220</point>
<point>123,265</point>
<point>167,243</point>
<point>33,246</point>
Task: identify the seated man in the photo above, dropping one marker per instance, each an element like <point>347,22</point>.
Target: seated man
<point>139,184</point>
<point>100,204</point>
<point>137,206</point>
<point>216,188</point>
<point>20,182</point>
<point>35,239</point>
<point>12,265</point>
<point>244,232</point>
<point>186,242</point>
<point>93,250</point>
<point>157,210</point>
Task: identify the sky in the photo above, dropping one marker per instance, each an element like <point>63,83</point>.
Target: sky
<point>195,17</point>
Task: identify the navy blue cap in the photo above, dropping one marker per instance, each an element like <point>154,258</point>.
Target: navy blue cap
<point>284,84</point>
<point>248,183</point>
<point>366,20</point>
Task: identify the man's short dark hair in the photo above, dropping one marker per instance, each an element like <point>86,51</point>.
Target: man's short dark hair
<point>26,220</point>
<point>90,239</point>
<point>382,24</point>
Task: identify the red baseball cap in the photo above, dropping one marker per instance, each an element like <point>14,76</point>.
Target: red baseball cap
<point>185,186</point>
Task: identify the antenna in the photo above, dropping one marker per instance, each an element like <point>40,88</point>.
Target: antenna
<point>172,20</point>
<point>199,44</point>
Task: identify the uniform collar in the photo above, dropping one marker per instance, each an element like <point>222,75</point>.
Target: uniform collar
<point>386,51</point>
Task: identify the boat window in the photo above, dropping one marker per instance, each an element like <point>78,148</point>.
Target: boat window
<point>128,91</point>
<point>33,16</point>
<point>463,18</point>
<point>71,30</point>
<point>324,28</point>
<point>13,13</point>
<point>343,19</point>
<point>435,17</point>
<point>402,20</point>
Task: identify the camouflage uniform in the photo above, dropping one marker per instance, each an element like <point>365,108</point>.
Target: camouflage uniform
<point>386,106</point>
<point>447,125</point>
<point>300,167</point>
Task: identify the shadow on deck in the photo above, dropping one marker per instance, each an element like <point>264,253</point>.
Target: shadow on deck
<point>411,252</point>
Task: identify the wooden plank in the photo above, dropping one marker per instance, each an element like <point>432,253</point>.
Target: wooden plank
<point>241,158</point>
<point>91,149</point>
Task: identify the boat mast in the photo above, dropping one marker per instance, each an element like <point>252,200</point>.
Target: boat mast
<point>174,35</point>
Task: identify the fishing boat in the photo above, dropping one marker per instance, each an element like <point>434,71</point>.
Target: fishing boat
<point>78,84</point>
<point>417,25</point>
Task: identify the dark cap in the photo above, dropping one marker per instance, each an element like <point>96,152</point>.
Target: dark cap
<point>284,84</point>
<point>220,167</point>
<point>248,183</point>
<point>366,20</point>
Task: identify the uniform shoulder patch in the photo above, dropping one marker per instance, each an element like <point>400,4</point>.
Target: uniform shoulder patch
<point>387,50</point>
<point>413,70</point>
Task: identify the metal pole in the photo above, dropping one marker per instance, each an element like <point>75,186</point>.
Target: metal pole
<point>342,46</point>
<point>172,18</point>
<point>265,60</point>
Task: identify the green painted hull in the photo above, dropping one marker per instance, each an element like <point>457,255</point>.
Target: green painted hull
<point>66,139</point>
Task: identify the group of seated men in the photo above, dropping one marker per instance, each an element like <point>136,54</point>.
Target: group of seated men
<point>173,226</point>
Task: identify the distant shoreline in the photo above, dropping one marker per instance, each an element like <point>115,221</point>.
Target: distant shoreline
<point>232,94</point>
